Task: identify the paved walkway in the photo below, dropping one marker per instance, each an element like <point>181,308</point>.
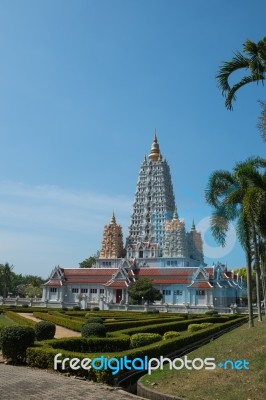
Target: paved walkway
<point>19,383</point>
<point>60,331</point>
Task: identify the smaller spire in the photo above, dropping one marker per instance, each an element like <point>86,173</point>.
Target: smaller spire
<point>193,228</point>
<point>113,220</point>
<point>145,158</point>
<point>175,215</point>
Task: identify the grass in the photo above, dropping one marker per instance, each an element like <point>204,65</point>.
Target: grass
<point>219,384</point>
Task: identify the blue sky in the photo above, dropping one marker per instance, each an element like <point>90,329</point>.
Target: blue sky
<point>83,85</point>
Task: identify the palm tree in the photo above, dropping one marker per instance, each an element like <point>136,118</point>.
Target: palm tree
<point>241,196</point>
<point>253,60</point>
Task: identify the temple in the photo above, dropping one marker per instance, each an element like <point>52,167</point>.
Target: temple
<point>157,246</point>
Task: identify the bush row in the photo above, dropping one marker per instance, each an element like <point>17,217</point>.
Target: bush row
<point>91,345</point>
<point>198,327</point>
<point>22,309</point>
<point>58,320</point>
<point>167,326</point>
<point>170,346</point>
<point>22,321</point>
<point>142,339</point>
<point>43,357</point>
<point>115,326</point>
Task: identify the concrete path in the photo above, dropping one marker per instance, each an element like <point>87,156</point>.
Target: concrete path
<point>60,331</point>
<point>24,383</point>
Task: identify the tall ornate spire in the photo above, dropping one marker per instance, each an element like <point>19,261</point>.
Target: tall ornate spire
<point>113,220</point>
<point>193,228</point>
<point>112,243</point>
<point>155,150</point>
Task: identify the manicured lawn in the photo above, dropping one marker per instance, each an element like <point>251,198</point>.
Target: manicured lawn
<point>219,384</point>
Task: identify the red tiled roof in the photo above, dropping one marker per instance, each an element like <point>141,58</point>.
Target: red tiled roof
<point>161,281</point>
<point>53,283</point>
<point>89,279</point>
<point>89,271</point>
<point>116,284</point>
<point>201,285</point>
<point>165,271</point>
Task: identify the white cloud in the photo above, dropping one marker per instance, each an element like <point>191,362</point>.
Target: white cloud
<point>42,226</point>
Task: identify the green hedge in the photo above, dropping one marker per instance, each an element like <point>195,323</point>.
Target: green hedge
<point>170,335</point>
<point>65,322</point>
<point>115,326</point>
<point>43,356</point>
<point>94,329</point>
<point>14,341</point>
<point>44,330</point>
<point>18,319</point>
<point>166,326</point>
<point>169,346</point>
<point>91,345</point>
<point>142,339</point>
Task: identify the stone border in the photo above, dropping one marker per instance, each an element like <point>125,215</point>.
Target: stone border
<point>143,391</point>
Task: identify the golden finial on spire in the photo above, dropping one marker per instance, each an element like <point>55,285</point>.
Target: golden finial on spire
<point>155,150</point>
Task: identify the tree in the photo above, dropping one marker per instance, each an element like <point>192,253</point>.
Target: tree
<point>253,60</point>
<point>241,196</point>
<point>5,278</point>
<point>262,120</point>
<point>88,262</point>
<point>143,291</point>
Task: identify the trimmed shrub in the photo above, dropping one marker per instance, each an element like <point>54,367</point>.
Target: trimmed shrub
<point>95,309</point>
<point>205,325</point>
<point>62,320</point>
<point>170,335</point>
<point>93,330</point>
<point>18,319</point>
<point>91,344</point>
<point>194,327</point>
<point>142,339</point>
<point>14,341</point>
<point>76,308</point>
<point>91,319</point>
<point>153,311</point>
<point>211,312</point>
<point>197,327</point>
<point>45,330</point>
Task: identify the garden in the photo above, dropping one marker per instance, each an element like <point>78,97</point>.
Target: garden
<point>104,334</point>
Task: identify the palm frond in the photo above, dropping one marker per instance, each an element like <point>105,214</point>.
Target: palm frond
<point>218,185</point>
<point>227,68</point>
<point>230,94</point>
